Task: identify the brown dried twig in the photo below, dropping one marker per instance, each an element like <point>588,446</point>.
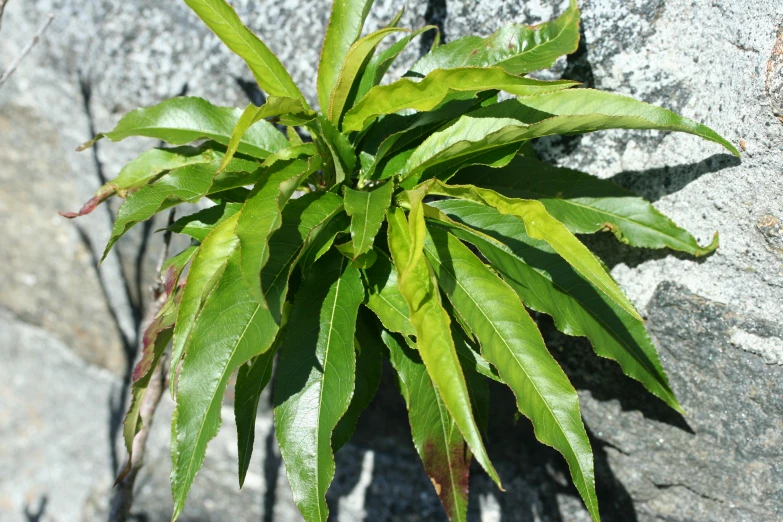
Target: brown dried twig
<point>14,64</point>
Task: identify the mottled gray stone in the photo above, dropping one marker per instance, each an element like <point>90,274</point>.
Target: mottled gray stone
<point>718,463</point>
<point>717,320</point>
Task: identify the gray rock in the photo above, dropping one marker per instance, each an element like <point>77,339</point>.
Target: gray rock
<point>717,320</point>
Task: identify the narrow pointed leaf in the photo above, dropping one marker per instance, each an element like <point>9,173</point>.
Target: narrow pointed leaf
<point>369,359</point>
<point>315,379</point>
<point>586,204</point>
<point>384,297</point>
<point>376,68</point>
<point>265,66</point>
<point>274,106</point>
<point>252,378</point>
<point>154,341</point>
<point>511,342</point>
<point>367,210</point>
<point>435,434</point>
<point>303,220</point>
<point>438,87</point>
<point>140,171</point>
<point>199,224</point>
<point>205,270</point>
<point>547,284</point>
<point>231,329</point>
<point>184,119</point>
<point>432,326</point>
<point>540,225</point>
<point>388,143</point>
<point>587,110</point>
<point>355,59</point>
<point>344,28</point>
<point>261,216</point>
<point>186,184</point>
<point>340,149</point>
<point>322,242</point>
<point>517,48</point>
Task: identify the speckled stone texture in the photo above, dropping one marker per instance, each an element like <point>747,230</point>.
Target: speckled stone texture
<point>718,321</point>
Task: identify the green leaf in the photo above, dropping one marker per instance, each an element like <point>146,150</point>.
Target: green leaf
<point>540,225</point>
<point>511,342</point>
<point>267,69</point>
<point>384,297</point>
<point>438,87</point>
<point>549,285</point>
<point>315,378</point>
<point>432,326</point>
<point>303,220</point>
<point>519,49</point>
<point>369,359</point>
<point>435,433</point>
<point>231,329</point>
<point>345,26</point>
<point>208,265</point>
<point>252,378</point>
<point>586,110</point>
<point>261,216</point>
<point>186,184</point>
<point>184,119</point>
<point>274,106</point>
<point>199,224</point>
<point>376,67</point>
<point>321,243</point>
<point>340,149</point>
<point>355,59</point>
<point>586,204</point>
<point>140,171</point>
<point>154,341</point>
<point>367,210</point>
<point>401,133</point>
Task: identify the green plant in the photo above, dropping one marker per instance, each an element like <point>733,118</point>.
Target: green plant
<point>425,229</point>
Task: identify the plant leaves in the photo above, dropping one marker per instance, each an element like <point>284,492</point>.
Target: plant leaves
<point>315,378</point>
<point>432,326</point>
<point>267,69</point>
<point>231,329</point>
<point>355,59</point>
<point>540,225</point>
<point>302,222</point>
<point>261,216</point>
<point>199,224</point>
<point>154,341</point>
<point>206,269</point>
<point>519,49</point>
<point>274,106</point>
<point>186,118</point>
<point>586,110</point>
<point>186,184</point>
<point>252,378</point>
<point>384,297</point>
<point>367,210</point>
<point>549,285</point>
<point>140,171</point>
<point>438,87</point>
<point>402,133</point>
<point>435,434</point>
<point>344,27</point>
<point>511,342</point>
<point>586,204</point>
<point>340,149</point>
<point>322,242</point>
<point>376,67</point>
<point>369,359</point>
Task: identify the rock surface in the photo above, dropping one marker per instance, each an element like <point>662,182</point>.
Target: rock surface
<point>718,321</point>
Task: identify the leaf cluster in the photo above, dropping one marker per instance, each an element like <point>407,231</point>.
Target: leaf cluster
<point>408,221</point>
